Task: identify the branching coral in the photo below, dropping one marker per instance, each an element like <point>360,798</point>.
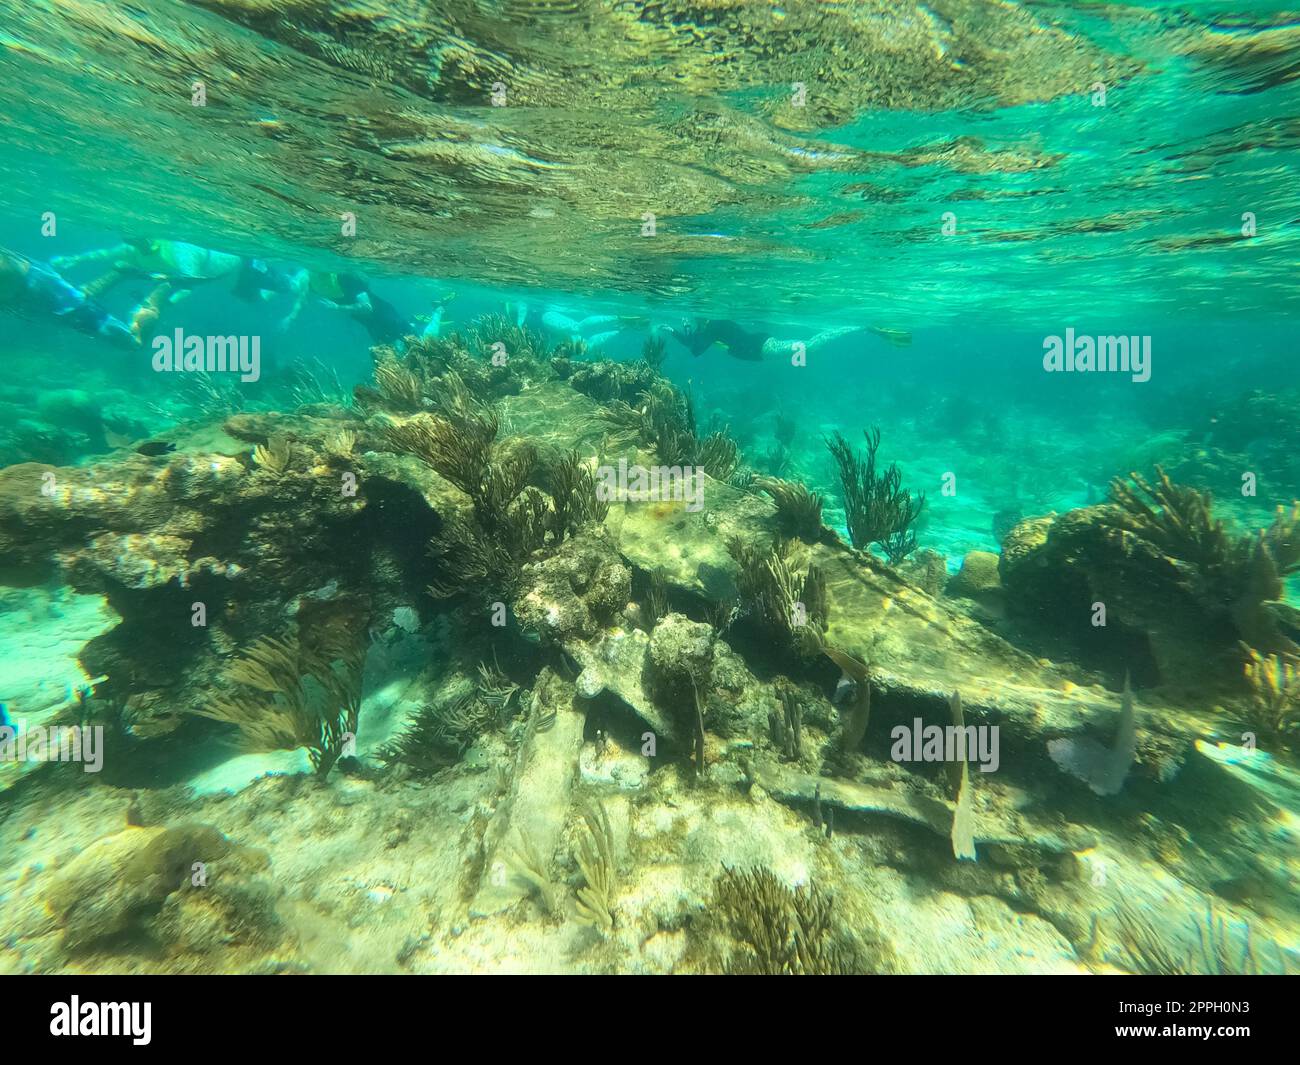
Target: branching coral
<point>1274,680</point>
<point>518,343</point>
<point>1237,575</point>
<point>398,386</point>
<point>526,862</point>
<point>502,481</point>
<point>1282,538</point>
<point>341,443</point>
<point>275,455</point>
<point>787,725</point>
<point>653,353</point>
<point>421,746</point>
<point>493,357</point>
<point>781,932</point>
<point>460,449</point>
<point>595,858</point>
<point>1218,949</point>
<point>785,430</point>
<point>610,382</point>
<point>664,421</point>
<point>454,397</point>
<point>495,688</point>
<point>657,604</point>
<point>439,733</point>
<point>510,519</point>
<point>1178,522</point>
<point>210,395</point>
<point>295,694</point>
<point>789,604</point>
<point>798,510</point>
<point>470,559</point>
<point>718,455</point>
<point>877,509</point>
<point>318,382</point>
<point>572,483</point>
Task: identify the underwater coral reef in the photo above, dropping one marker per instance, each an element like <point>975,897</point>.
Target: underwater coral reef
<point>617,734</point>
<point>436,538</point>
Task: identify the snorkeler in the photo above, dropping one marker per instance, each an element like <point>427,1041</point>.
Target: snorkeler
<point>182,264</point>
<point>350,293</point>
<point>434,320</point>
<point>178,267</point>
<point>751,346</point>
<point>33,287</point>
<point>558,322</point>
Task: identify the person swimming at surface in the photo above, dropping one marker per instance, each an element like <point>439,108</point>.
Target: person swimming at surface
<point>433,322</point>
<point>178,267</point>
<point>36,288</point>
<point>593,330</point>
<point>750,345</point>
<point>351,294</point>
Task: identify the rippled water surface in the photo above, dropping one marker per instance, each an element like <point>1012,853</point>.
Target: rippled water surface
<point>1088,154</point>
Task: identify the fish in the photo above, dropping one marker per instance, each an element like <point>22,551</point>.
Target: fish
<point>1103,769</point>
<point>153,448</point>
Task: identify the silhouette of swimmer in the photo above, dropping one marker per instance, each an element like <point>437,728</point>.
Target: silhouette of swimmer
<point>750,345</point>
<point>178,267</point>
<point>178,264</point>
<point>554,320</point>
<point>350,293</point>
<point>35,288</point>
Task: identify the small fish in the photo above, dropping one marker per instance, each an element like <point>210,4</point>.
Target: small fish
<point>153,448</point>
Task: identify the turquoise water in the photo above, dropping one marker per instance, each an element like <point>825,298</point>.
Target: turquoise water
<point>903,205</point>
